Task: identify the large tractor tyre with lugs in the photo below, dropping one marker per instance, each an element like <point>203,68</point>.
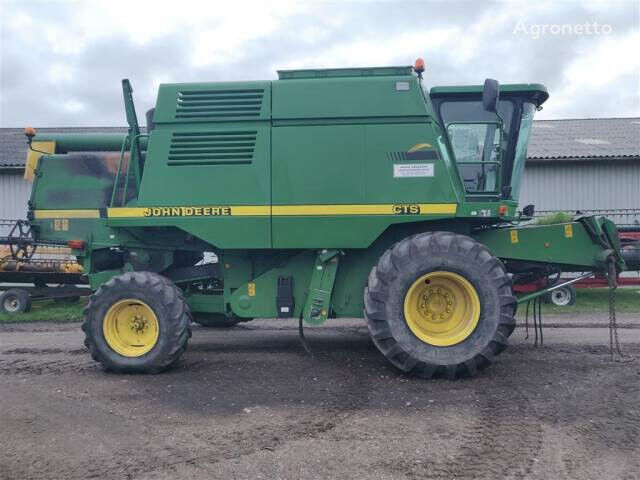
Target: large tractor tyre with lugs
<point>137,322</point>
<point>439,304</point>
<point>216,320</point>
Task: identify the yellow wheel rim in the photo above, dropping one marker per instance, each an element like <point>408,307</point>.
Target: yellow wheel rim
<point>130,327</point>
<point>442,308</point>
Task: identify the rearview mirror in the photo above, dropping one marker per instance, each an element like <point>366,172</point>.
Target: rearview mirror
<point>491,95</point>
<point>528,211</point>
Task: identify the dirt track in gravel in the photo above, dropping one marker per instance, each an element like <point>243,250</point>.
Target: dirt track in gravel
<point>246,403</point>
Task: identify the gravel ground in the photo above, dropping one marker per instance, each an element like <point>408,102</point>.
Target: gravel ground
<point>246,403</point>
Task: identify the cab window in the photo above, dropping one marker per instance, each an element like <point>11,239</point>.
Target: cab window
<point>479,144</point>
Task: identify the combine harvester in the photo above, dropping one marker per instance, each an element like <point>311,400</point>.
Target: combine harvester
<point>325,193</point>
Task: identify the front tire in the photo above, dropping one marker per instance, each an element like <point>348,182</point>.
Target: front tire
<point>439,304</point>
<point>137,322</point>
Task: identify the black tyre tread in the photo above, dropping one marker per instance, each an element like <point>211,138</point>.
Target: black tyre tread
<point>386,270</point>
<point>23,297</point>
<point>172,299</point>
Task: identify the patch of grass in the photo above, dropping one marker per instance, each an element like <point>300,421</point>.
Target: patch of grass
<point>48,311</point>
<point>595,300</point>
<point>555,218</point>
<point>589,300</point>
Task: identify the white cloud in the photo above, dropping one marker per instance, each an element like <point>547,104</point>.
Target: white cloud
<point>371,52</point>
<point>73,106</point>
<point>60,73</point>
<point>597,71</point>
<point>61,61</point>
<point>611,58</point>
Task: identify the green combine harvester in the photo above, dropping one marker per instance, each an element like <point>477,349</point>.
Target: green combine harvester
<point>324,194</point>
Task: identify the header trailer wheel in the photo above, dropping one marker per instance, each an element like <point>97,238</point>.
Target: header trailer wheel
<point>15,300</point>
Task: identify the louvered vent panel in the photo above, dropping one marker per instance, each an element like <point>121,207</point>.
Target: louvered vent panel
<point>219,104</point>
<point>212,148</point>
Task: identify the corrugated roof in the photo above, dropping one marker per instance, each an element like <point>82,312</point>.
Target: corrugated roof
<point>585,138</point>
<point>551,140</point>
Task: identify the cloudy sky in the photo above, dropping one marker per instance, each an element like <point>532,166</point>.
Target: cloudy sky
<point>61,61</point>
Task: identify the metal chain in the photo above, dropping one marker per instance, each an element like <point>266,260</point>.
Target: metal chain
<point>614,342</point>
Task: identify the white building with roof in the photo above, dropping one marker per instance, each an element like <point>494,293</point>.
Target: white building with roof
<point>585,164</point>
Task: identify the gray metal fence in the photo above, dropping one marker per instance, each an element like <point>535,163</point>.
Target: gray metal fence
<point>624,218</point>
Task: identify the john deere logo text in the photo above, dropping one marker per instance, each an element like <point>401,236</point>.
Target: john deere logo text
<point>406,209</point>
<point>186,211</point>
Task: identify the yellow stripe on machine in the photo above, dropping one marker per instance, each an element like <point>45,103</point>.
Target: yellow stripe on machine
<point>40,214</point>
<point>249,210</point>
<point>196,211</point>
<point>258,210</point>
<point>371,209</point>
<point>125,212</point>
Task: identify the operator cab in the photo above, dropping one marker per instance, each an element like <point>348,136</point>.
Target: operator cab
<point>487,131</point>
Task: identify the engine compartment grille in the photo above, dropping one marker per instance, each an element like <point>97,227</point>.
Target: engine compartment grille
<point>212,148</point>
<point>219,104</point>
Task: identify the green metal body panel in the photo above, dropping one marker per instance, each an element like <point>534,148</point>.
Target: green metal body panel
<point>318,302</point>
<point>86,142</point>
<point>206,303</point>
<point>347,98</point>
<point>255,294</point>
<point>569,246</point>
<point>69,182</point>
<point>344,72</point>
<point>271,174</point>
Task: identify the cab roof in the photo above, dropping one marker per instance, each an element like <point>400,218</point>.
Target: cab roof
<point>345,72</point>
<point>535,91</point>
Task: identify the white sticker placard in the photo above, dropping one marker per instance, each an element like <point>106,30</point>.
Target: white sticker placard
<point>405,170</point>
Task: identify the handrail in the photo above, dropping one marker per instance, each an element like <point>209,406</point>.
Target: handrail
<point>132,158</point>
<point>133,152</point>
<point>117,179</point>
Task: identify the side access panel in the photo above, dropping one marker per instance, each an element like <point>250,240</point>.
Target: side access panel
<point>341,186</point>
<point>208,165</point>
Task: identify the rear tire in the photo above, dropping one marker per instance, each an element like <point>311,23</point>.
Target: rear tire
<point>14,301</point>
<point>465,349</point>
<point>137,305</point>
